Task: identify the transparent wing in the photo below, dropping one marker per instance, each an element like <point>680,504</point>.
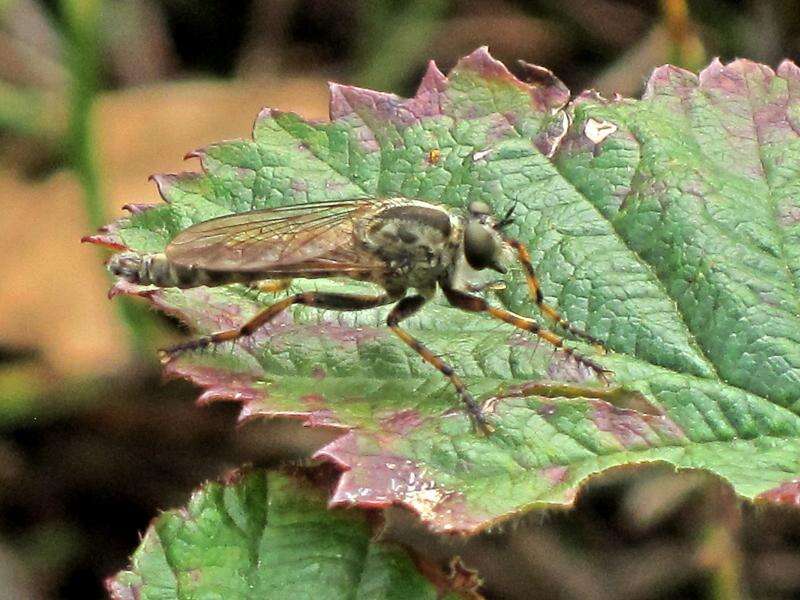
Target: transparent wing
<point>315,237</point>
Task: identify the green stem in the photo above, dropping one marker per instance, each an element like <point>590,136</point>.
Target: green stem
<point>686,50</point>
<point>719,547</point>
<point>389,33</point>
<point>21,110</point>
<point>81,18</point>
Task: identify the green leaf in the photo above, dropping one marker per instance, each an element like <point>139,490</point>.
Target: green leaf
<point>266,535</point>
<point>667,226</point>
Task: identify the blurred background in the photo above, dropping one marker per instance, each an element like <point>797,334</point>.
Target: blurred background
<point>95,95</point>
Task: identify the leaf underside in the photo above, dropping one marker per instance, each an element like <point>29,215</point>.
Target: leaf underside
<point>266,535</point>
<point>669,227</point>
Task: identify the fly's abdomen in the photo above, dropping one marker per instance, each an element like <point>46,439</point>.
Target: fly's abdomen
<point>156,269</point>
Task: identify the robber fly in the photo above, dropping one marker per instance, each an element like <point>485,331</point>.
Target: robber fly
<point>396,243</point>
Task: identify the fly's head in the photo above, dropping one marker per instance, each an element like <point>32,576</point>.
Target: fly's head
<point>483,241</point>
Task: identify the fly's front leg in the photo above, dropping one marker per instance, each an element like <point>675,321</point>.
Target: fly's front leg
<point>495,285</point>
<point>472,303</point>
<point>524,258</point>
<point>404,309</point>
<point>317,299</point>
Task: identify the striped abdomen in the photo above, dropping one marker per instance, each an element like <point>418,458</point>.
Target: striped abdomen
<point>155,269</point>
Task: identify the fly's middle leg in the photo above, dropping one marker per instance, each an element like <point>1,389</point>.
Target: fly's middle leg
<point>404,309</point>
<point>317,299</point>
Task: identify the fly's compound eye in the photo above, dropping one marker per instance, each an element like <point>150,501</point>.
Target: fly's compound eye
<point>481,248</point>
<point>477,208</point>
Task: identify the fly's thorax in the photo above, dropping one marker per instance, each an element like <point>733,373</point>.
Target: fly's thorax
<point>417,241</point>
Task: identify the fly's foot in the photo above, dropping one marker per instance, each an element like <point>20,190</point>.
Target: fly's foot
<point>596,342</point>
<point>599,370</point>
<point>605,375</point>
<point>167,354</point>
<point>476,413</point>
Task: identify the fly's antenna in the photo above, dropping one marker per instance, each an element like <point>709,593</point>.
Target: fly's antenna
<point>508,218</point>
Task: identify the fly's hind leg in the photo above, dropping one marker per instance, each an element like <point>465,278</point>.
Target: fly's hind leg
<point>317,299</point>
<point>404,309</point>
<point>472,303</point>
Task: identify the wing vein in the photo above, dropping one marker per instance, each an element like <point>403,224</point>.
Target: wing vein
<point>318,238</point>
